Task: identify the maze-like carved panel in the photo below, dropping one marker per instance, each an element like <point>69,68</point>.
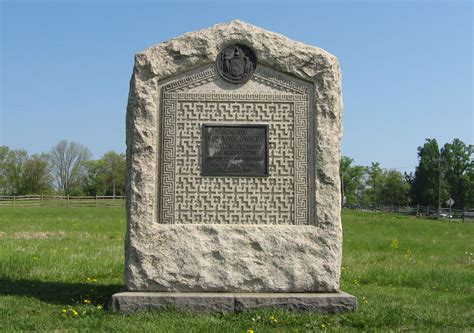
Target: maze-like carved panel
<point>188,197</point>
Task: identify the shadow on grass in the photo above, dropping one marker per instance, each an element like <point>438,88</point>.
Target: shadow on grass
<point>59,292</point>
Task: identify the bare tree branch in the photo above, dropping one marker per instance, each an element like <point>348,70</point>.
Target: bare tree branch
<point>67,160</point>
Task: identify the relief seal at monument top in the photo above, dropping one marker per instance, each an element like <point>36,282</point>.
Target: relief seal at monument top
<point>233,147</point>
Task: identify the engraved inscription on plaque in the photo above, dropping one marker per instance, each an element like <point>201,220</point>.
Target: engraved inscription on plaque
<point>234,150</point>
<point>236,63</point>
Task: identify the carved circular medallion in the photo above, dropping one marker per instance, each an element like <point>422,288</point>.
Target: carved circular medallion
<point>236,63</point>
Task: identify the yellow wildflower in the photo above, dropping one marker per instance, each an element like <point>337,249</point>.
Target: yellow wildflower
<point>87,301</point>
<point>394,244</point>
<point>250,330</point>
<point>74,312</point>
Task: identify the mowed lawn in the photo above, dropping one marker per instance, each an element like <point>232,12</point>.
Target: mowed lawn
<point>59,266</point>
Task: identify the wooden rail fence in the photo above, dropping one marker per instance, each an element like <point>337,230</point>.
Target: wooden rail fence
<point>420,211</point>
<point>61,201</point>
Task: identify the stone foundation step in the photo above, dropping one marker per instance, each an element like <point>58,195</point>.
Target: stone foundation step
<point>325,303</point>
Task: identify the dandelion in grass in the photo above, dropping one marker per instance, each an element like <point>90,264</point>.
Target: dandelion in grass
<point>87,301</point>
<point>72,312</point>
<point>394,244</point>
<point>356,281</point>
<point>99,307</point>
<point>250,330</point>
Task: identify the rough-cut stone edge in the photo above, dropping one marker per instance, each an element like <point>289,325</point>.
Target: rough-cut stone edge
<point>325,303</point>
<point>200,48</point>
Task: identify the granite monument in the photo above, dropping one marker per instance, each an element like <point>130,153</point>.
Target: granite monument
<point>233,149</point>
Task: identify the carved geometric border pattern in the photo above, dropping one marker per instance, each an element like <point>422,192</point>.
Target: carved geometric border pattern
<point>269,77</point>
<point>191,81</point>
<point>301,161</point>
<point>168,155</point>
<point>179,180</point>
<point>262,74</point>
<point>236,97</point>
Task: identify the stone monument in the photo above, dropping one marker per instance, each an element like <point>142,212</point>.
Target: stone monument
<point>233,148</point>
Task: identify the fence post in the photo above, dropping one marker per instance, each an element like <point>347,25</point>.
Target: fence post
<point>427,210</point>
<point>124,200</point>
<point>417,209</point>
<point>14,200</point>
<point>67,200</point>
<point>96,201</point>
<point>41,200</point>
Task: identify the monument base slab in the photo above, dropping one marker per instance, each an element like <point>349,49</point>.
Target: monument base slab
<point>325,303</point>
<point>234,258</point>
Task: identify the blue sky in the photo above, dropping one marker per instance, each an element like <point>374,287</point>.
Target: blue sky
<point>407,67</point>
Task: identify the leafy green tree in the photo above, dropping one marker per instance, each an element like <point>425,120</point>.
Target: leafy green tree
<point>95,182</point>
<point>425,183</point>
<point>37,177</point>
<point>4,184</point>
<point>373,183</point>
<point>21,174</point>
<point>393,189</point>
<point>469,201</point>
<point>105,176</point>
<point>352,181</point>
<point>12,166</point>
<point>457,171</point>
<point>115,170</point>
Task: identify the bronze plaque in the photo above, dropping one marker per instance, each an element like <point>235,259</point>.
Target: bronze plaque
<point>235,150</point>
<point>236,63</point>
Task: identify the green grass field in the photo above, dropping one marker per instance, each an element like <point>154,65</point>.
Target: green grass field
<point>59,266</point>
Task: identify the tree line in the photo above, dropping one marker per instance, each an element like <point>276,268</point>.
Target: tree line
<point>442,173</point>
<point>67,168</point>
